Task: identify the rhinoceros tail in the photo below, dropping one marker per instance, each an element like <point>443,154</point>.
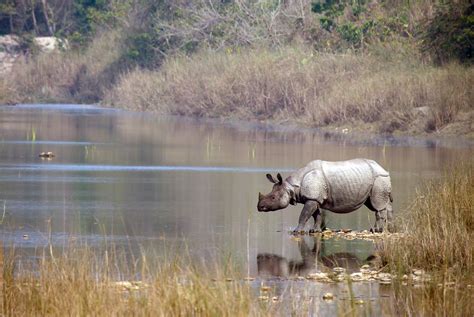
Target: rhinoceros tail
<point>391,198</point>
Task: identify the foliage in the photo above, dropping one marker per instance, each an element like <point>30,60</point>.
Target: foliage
<point>450,33</point>
<point>91,16</point>
<point>357,24</point>
<point>75,19</point>
<point>154,30</point>
<point>140,50</point>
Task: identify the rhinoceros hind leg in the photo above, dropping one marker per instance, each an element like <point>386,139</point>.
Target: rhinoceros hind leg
<point>380,201</point>
<point>380,221</point>
<point>379,217</point>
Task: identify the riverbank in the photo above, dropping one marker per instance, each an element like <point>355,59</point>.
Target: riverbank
<point>440,228</point>
<point>334,92</point>
<point>346,92</point>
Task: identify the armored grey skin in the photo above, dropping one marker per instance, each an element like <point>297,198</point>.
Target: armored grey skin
<point>340,187</point>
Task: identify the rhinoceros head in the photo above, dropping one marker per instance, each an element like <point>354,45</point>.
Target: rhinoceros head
<point>279,198</point>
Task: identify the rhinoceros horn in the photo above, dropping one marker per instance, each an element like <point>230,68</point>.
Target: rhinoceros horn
<point>260,196</point>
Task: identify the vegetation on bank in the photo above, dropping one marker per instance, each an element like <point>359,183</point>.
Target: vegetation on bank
<point>257,59</point>
<point>82,282</point>
<point>439,227</point>
<point>300,86</point>
<point>438,240</point>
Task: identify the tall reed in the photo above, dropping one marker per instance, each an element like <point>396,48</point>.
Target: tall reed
<point>439,228</point>
<point>84,282</point>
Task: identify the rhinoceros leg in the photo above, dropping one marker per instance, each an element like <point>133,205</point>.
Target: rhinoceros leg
<point>380,201</point>
<point>310,207</point>
<point>380,220</point>
<point>319,224</point>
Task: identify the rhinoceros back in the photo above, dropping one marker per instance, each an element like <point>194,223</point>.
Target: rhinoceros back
<point>348,183</point>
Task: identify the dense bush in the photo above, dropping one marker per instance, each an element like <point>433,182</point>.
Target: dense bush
<point>450,33</point>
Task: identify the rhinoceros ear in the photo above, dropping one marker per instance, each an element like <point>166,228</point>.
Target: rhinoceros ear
<point>280,179</point>
<point>271,179</point>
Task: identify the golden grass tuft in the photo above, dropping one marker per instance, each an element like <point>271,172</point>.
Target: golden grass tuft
<point>438,240</point>
<point>439,227</point>
<point>80,282</point>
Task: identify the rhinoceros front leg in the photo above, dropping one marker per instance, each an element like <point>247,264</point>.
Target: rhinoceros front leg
<point>310,207</point>
<point>318,222</point>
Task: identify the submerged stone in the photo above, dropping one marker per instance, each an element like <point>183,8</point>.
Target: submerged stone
<point>365,269</point>
<point>318,276</point>
<point>314,276</point>
<point>340,277</point>
<point>356,277</point>
<point>46,155</point>
<point>384,276</point>
<point>263,298</point>
<point>339,270</point>
<point>265,288</point>
<point>418,272</point>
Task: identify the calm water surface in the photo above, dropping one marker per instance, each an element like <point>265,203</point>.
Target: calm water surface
<point>143,179</point>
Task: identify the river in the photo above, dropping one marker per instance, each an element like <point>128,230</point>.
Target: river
<point>142,179</point>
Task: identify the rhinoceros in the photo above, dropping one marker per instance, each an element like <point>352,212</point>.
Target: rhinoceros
<point>340,187</point>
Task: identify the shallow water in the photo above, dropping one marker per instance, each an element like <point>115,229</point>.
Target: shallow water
<point>145,179</point>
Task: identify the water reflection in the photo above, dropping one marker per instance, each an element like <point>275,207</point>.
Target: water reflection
<point>315,259</point>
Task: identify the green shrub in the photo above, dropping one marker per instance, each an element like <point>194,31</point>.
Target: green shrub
<point>351,33</point>
<point>450,33</point>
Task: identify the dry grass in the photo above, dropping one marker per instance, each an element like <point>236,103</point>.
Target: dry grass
<point>296,85</point>
<point>80,283</point>
<point>440,228</point>
<point>7,93</point>
<point>67,77</point>
<point>439,239</point>
<point>433,299</point>
<point>85,282</point>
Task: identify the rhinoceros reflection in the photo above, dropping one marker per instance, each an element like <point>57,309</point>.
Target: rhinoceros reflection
<point>312,260</point>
